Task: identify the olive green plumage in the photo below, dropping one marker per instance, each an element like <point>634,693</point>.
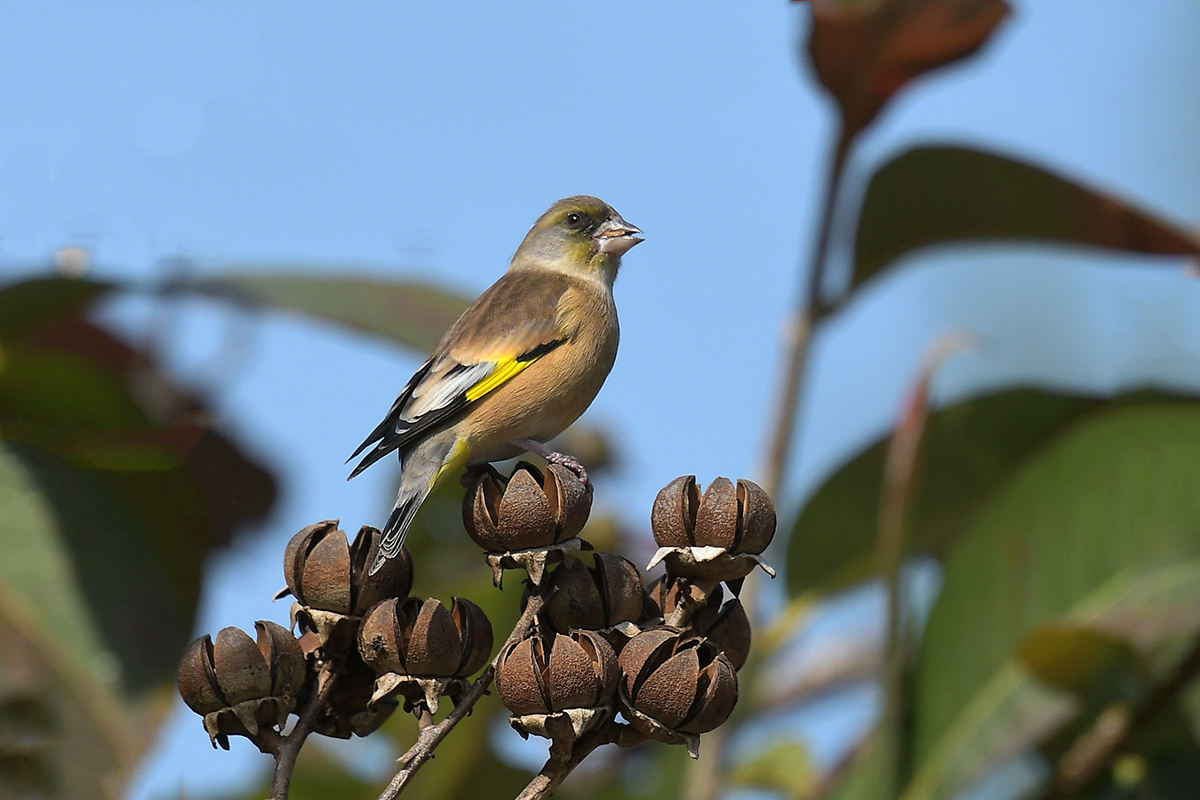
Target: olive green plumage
<point>519,366</point>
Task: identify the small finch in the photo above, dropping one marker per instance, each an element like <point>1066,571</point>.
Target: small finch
<point>519,366</point>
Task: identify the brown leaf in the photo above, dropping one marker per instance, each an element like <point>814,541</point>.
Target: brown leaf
<point>865,52</point>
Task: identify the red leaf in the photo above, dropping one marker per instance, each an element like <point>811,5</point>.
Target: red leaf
<point>866,52</point>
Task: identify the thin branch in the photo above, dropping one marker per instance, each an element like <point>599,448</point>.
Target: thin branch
<point>289,746</point>
<point>556,770</point>
<point>431,736</point>
<point>1076,769</point>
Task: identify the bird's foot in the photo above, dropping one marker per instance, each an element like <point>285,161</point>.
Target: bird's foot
<point>562,459</point>
<point>571,463</point>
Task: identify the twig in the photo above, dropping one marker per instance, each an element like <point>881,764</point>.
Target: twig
<point>431,736</point>
<point>1074,773</point>
<point>289,746</point>
<point>556,770</point>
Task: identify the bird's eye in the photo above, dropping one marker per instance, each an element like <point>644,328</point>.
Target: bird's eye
<point>575,219</point>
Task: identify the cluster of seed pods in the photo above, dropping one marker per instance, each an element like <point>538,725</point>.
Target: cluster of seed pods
<point>664,656</point>
<point>379,645</point>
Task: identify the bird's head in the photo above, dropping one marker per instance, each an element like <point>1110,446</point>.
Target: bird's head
<point>579,235</point>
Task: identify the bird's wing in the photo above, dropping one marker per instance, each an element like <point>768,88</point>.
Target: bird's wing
<point>510,326</point>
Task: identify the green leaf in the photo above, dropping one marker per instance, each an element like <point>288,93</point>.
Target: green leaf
<point>1112,498</point>
<point>934,195</point>
<point>55,671</point>
<point>1072,657</point>
<point>999,722</point>
<point>1080,662</point>
<point>783,767</point>
<point>406,312</point>
<point>33,301</point>
<point>859,776</point>
<point>969,450</point>
<point>1122,624</point>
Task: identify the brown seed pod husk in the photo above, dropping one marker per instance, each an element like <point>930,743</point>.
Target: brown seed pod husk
<point>197,681</point>
<point>286,661</point>
<point>297,551</point>
<point>673,518</point>
<point>435,647</point>
<point>757,517</point>
<point>716,696</point>
<point>325,573</point>
<point>242,672</point>
<point>393,579</point>
<point>643,654</point>
<point>668,692</point>
<point>519,678</point>
<point>380,641</point>
<point>729,631</point>
<point>717,518</point>
<point>475,630</point>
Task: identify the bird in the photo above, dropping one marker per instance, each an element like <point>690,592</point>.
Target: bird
<point>522,363</point>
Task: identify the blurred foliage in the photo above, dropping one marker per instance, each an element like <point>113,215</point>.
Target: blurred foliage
<point>783,766</point>
<point>934,195</point>
<point>970,450</point>
<point>113,489</point>
<point>408,313</point>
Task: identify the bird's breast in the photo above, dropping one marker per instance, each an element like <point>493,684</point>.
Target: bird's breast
<point>550,394</point>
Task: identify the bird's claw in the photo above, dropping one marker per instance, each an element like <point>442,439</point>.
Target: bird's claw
<point>571,463</point>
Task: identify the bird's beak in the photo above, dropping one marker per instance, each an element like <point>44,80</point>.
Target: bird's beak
<point>615,236</point>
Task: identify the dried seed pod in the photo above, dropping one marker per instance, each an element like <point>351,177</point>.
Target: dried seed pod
<point>544,675</point>
<point>595,597</point>
<point>239,685</point>
<point>727,627</point>
<point>329,576</point>
<point>350,708</point>
<point>738,519</point>
<point>675,687</point>
<point>558,686</point>
<point>529,519</point>
<point>324,571</point>
<point>528,509</point>
<point>716,537</point>
<point>421,649</point>
<point>425,639</point>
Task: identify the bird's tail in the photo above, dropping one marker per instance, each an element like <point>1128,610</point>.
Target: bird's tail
<point>424,466</point>
<point>398,523</point>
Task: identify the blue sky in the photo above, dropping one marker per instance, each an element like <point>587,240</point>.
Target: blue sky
<point>422,140</point>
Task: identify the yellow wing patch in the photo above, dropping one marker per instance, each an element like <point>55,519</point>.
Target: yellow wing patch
<point>504,372</point>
